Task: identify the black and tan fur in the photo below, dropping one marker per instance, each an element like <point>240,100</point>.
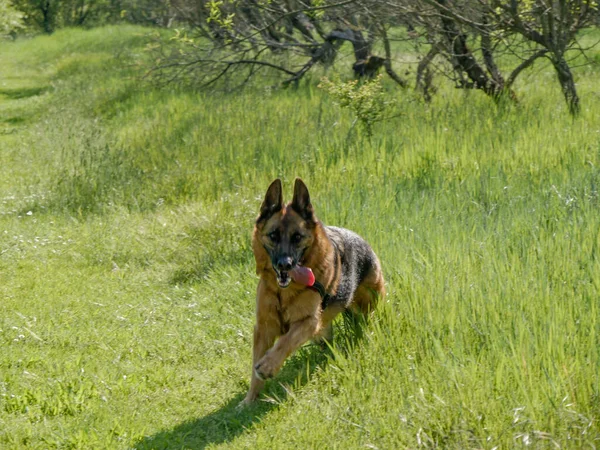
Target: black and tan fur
<point>287,317</point>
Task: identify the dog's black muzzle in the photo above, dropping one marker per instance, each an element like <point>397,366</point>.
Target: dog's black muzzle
<point>282,266</point>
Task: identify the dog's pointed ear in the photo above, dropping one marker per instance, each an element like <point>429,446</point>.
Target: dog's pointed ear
<point>273,201</point>
<point>301,201</point>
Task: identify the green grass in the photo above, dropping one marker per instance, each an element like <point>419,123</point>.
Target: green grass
<point>127,278</point>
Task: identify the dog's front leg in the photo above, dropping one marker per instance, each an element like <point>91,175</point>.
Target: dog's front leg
<point>264,336</point>
<point>266,330</point>
<point>300,332</point>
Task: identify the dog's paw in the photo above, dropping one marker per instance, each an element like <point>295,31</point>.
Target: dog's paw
<point>248,400</point>
<point>266,368</point>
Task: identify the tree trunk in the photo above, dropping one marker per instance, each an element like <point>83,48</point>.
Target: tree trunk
<point>388,59</point>
<point>457,42</point>
<point>488,57</point>
<point>46,9</point>
<point>565,78</point>
<point>424,75</point>
<point>365,65</point>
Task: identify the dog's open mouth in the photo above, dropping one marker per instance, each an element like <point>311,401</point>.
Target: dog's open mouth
<point>300,274</point>
<point>283,278</point>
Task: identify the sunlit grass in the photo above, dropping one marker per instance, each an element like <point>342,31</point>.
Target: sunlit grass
<point>127,278</point>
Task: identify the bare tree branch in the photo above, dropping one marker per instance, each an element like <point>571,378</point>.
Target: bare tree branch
<point>524,65</point>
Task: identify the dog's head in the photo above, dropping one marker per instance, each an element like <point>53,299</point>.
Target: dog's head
<point>286,231</point>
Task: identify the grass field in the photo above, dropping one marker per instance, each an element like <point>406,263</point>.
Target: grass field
<point>127,280</point>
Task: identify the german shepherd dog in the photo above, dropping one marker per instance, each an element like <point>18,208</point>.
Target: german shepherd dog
<point>309,273</point>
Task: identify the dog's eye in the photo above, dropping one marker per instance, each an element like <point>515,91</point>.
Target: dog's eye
<point>274,236</point>
<point>296,237</point>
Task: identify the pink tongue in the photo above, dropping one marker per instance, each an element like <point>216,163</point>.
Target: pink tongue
<point>303,275</point>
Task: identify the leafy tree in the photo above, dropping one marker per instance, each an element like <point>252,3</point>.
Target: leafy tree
<point>11,19</point>
<point>552,26</point>
<point>234,41</point>
<point>40,14</point>
<point>471,35</point>
<point>48,15</point>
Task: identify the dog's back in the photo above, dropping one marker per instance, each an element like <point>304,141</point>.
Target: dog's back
<point>359,268</point>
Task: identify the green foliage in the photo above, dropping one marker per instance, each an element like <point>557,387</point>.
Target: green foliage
<point>367,100</point>
<point>127,281</point>
<point>216,15</point>
<point>50,15</point>
<point>319,13</point>
<point>11,19</point>
<point>565,17</point>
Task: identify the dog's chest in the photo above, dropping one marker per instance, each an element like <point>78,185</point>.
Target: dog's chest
<point>283,311</point>
<point>296,305</point>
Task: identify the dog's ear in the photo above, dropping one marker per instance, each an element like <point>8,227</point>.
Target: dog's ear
<point>273,201</point>
<point>301,201</point>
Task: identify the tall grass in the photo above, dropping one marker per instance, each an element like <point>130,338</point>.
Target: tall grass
<point>127,276</point>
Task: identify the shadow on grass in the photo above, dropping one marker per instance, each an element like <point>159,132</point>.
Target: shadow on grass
<point>25,92</point>
<point>219,426</point>
<point>228,422</point>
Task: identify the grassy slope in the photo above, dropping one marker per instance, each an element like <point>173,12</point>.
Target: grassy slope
<point>127,280</point>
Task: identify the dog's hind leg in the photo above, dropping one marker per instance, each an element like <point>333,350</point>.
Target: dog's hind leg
<point>369,292</point>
